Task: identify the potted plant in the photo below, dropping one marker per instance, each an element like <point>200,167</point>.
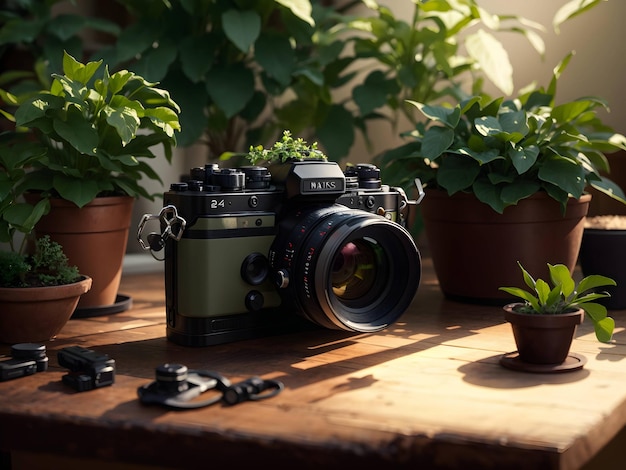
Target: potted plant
<point>505,180</point>
<point>94,132</point>
<point>39,290</point>
<point>545,323</point>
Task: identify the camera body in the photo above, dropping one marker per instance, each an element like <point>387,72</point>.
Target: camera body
<point>261,249</point>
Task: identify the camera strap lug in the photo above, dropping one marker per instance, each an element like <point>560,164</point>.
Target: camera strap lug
<point>173,227</point>
<point>407,207</point>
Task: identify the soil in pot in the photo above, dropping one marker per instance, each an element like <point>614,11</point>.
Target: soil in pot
<point>603,251</point>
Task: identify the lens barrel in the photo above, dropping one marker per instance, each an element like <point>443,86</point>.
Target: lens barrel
<point>349,269</point>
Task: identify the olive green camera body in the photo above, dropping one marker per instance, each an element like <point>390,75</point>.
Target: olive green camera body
<point>259,256</point>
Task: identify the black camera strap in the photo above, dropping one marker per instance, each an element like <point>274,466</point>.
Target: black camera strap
<point>176,387</point>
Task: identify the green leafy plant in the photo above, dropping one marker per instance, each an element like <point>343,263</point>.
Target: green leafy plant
<point>243,71</point>
<point>94,131</point>
<point>565,295</point>
<point>34,35</point>
<point>506,150</point>
<point>20,265</point>
<point>46,266</point>
<point>285,149</point>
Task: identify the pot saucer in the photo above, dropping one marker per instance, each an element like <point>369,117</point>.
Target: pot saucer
<point>121,304</point>
<point>572,362</point>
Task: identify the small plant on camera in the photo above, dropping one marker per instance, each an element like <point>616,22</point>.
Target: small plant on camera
<point>284,150</point>
<point>564,295</point>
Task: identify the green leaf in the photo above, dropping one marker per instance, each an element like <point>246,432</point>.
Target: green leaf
<point>543,291</point>
<point>523,158</point>
<point>436,141</point>
<point>300,8</point>
<point>456,173</point>
<point>450,117</point>
<point>76,71</point>
<point>514,123</point>
<point>609,188</point>
<point>155,62</point>
<point>521,293</point>
<point>570,10</point>
<point>78,191</point>
<point>488,126</point>
<point>123,115</point>
<point>372,93</point>
<point>77,131</point>
<point>604,328</point>
<point>30,111</point>
<point>197,55</point>
<point>230,88</point>
<point>593,281</point>
<point>489,194</point>
<point>492,58</point>
<point>118,80</point>
<point>563,173</point>
<point>275,54</point>
<point>560,275</point>
<point>65,26</point>
<point>242,27</point>
<point>513,193</point>
<point>337,131</point>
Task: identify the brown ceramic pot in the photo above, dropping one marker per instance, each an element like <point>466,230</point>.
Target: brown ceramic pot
<point>34,314</point>
<point>543,339</point>
<point>94,239</point>
<point>475,250</point>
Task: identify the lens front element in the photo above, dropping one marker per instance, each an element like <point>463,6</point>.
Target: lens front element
<point>355,269</point>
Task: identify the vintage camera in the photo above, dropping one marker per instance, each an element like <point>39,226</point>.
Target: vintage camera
<point>26,359</point>
<point>88,369</point>
<point>250,252</point>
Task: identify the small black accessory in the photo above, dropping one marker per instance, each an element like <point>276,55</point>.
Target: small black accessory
<point>26,359</point>
<point>88,369</point>
<point>176,386</point>
<point>252,389</point>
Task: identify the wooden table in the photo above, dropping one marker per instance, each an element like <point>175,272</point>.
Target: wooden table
<point>427,393</point>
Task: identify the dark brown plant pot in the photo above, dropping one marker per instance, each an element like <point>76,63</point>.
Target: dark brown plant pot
<point>543,339</point>
<point>94,238</point>
<point>35,314</point>
<point>604,252</point>
<point>475,250</point>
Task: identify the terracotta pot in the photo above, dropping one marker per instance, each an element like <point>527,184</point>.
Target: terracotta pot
<point>475,250</point>
<point>94,239</point>
<point>543,339</point>
<point>604,252</point>
<point>34,314</point>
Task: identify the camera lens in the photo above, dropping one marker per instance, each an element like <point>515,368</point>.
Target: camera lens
<point>352,270</point>
<point>355,268</point>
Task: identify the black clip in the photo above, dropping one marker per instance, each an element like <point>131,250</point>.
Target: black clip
<point>252,389</point>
